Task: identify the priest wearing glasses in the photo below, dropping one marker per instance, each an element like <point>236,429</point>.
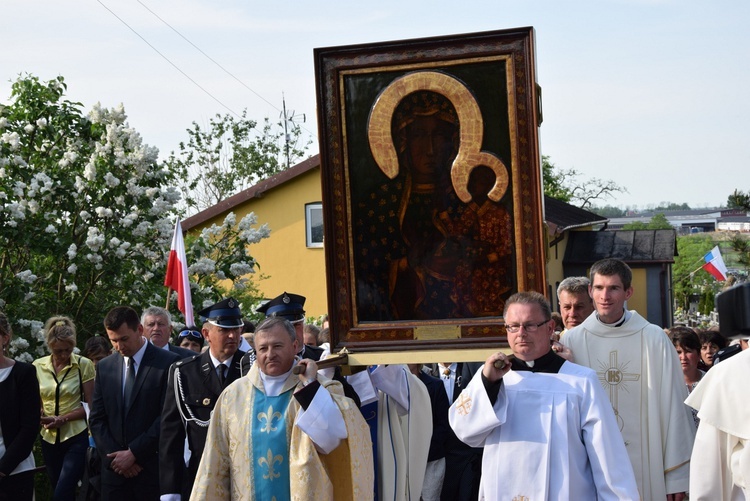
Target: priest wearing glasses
<point>546,424</point>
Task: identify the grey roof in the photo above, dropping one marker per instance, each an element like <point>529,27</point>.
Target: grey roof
<point>566,216</point>
<point>255,191</point>
<point>734,219</point>
<point>632,246</point>
<point>706,211</point>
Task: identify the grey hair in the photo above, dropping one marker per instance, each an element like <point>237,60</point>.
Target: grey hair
<point>156,311</point>
<point>271,323</point>
<point>574,285</point>
<point>530,297</point>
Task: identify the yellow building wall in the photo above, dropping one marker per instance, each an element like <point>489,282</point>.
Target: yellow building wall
<point>555,273</point>
<point>639,300</point>
<point>284,257</point>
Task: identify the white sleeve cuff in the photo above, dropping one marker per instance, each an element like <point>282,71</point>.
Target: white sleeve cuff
<point>322,422</point>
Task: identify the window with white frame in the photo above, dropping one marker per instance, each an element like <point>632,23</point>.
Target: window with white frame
<point>314,224</point>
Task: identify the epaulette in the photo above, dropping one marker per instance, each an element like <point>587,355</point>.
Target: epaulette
<point>183,361</point>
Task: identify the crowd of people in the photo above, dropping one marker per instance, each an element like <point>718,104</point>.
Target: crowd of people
<point>234,411</point>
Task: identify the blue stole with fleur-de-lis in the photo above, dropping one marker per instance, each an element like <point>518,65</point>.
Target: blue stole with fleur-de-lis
<point>270,447</point>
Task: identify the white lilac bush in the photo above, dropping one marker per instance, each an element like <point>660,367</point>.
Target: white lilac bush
<point>86,219</point>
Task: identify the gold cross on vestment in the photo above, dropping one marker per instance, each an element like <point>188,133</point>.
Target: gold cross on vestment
<point>614,378</point>
<point>463,404</point>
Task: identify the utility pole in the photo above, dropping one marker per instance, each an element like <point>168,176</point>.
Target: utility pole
<point>288,118</point>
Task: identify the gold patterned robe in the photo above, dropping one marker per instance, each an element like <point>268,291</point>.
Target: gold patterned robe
<point>226,471</point>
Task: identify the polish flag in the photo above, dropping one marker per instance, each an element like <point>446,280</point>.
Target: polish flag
<point>177,275</point>
<point>715,264</point>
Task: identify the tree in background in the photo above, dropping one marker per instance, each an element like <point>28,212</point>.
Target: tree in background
<point>86,216</point>
<point>230,155</point>
<point>609,211</point>
<point>741,246</point>
<point>657,222</point>
<point>739,200</point>
<point>688,276</point>
<point>667,206</point>
<point>564,185</point>
<point>220,260</point>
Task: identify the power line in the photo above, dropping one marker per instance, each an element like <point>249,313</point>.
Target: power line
<point>215,62</point>
<point>168,60</point>
<point>207,56</point>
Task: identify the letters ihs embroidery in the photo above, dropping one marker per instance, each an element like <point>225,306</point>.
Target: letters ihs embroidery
<point>612,377</point>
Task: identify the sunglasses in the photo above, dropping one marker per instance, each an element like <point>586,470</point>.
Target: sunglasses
<point>192,335</point>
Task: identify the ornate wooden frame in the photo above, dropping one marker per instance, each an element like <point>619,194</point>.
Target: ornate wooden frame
<point>490,79</point>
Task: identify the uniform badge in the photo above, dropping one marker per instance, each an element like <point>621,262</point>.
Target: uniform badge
<point>206,401</point>
<point>232,303</point>
<point>286,299</point>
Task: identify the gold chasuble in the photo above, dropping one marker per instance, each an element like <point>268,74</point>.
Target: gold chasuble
<point>254,450</point>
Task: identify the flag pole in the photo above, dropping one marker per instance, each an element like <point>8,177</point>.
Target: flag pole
<point>169,295</point>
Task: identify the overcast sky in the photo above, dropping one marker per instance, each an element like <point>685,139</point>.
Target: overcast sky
<point>652,94</point>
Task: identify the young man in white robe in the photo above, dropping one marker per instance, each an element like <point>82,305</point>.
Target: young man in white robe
<point>546,425</point>
<point>277,435</point>
<point>639,368</point>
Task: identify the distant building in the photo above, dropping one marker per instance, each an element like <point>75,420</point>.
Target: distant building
<point>692,221</point>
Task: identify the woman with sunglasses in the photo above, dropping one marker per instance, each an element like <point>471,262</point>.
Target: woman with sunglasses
<point>191,339</point>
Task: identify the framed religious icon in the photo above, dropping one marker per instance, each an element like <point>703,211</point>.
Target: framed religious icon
<point>431,188</point>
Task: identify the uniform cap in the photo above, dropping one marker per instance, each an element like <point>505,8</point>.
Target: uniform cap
<point>289,306</point>
<point>226,313</point>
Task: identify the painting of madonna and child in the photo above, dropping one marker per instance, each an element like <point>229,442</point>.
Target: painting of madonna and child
<point>438,193</point>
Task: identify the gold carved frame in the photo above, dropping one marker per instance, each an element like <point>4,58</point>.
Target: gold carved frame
<point>489,78</point>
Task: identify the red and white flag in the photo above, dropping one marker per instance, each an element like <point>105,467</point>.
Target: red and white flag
<point>177,275</point>
<point>715,264</point>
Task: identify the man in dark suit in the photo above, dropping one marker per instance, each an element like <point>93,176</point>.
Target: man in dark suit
<point>194,386</point>
<point>292,308</point>
<point>157,327</point>
<point>125,419</point>
<point>463,464</point>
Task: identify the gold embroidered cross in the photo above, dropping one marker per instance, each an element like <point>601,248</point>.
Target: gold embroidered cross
<point>463,404</point>
<point>614,378</point>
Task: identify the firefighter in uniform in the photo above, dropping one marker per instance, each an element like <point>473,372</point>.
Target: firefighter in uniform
<point>194,386</point>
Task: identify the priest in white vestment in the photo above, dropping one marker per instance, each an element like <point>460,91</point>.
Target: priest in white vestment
<point>638,367</point>
<point>277,435</point>
<point>720,464</point>
<point>547,428</point>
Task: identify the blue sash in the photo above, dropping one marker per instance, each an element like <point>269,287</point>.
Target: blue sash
<point>270,447</point>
